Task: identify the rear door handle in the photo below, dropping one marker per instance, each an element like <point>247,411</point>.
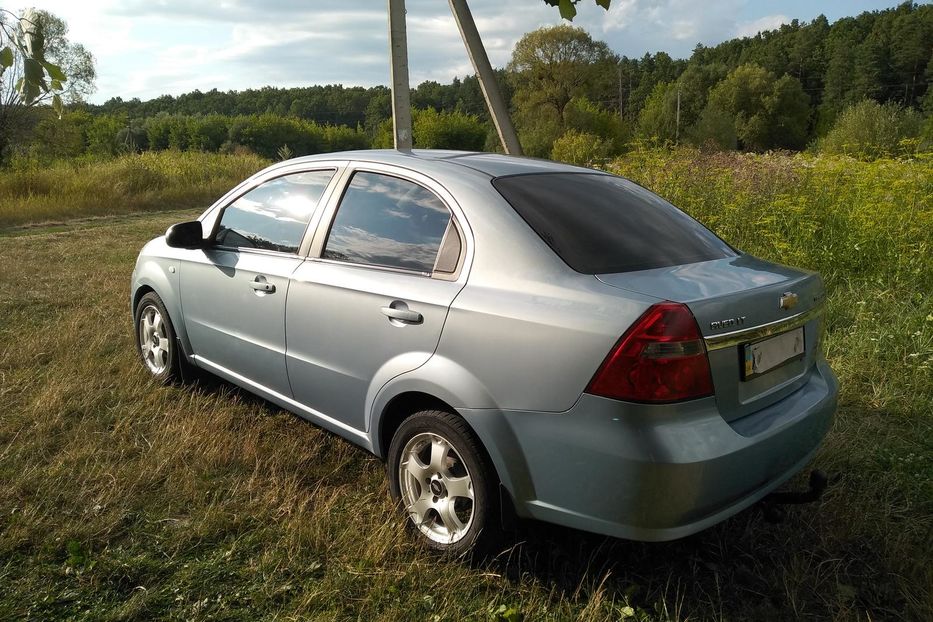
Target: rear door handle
<point>260,284</point>
<point>402,313</point>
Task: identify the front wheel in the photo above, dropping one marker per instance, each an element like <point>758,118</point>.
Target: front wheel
<point>439,475</point>
<point>155,339</point>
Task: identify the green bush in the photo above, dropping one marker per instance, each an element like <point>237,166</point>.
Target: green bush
<point>101,134</point>
<point>265,134</point>
<point>581,148</point>
<point>437,130</point>
<point>343,138</point>
<point>447,130</point>
<point>207,133</point>
<point>157,131</point>
<point>55,138</point>
<point>584,116</point>
<point>869,130</point>
<point>715,129</point>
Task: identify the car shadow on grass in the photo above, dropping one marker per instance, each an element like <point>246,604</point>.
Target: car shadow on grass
<point>737,569</point>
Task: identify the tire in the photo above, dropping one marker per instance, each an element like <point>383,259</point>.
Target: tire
<point>441,478</point>
<point>155,339</point>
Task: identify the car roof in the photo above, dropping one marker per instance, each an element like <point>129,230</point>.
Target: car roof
<point>491,164</point>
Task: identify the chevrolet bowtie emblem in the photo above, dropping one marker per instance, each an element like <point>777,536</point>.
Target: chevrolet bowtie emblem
<point>788,300</point>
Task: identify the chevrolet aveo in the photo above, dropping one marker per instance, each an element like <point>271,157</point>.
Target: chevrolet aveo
<point>507,333</point>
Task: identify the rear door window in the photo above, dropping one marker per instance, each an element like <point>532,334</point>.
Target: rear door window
<point>600,224</point>
<point>274,215</point>
<point>387,221</point>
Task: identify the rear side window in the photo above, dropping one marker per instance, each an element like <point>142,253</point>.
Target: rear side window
<point>600,224</point>
<point>387,221</point>
<point>274,215</point>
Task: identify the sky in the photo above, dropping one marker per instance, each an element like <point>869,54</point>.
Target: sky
<point>146,48</point>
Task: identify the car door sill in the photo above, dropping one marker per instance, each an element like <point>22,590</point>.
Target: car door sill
<point>288,403</point>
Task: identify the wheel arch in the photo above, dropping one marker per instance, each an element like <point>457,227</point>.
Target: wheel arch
<point>415,391</point>
<point>151,277</point>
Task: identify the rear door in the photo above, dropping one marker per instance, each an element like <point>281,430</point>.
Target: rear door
<point>372,298</point>
<point>233,292</point>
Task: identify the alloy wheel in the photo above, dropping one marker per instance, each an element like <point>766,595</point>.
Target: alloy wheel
<point>436,488</point>
<point>154,344</point>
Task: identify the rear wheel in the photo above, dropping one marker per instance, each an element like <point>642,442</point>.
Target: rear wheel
<point>439,475</point>
<point>155,339</point>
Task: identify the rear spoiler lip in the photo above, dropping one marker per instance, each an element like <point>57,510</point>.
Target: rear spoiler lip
<point>734,338</point>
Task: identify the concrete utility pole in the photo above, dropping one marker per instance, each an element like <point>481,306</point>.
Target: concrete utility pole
<point>401,93</point>
<point>498,109</point>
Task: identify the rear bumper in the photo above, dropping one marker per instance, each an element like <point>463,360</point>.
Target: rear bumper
<point>653,473</point>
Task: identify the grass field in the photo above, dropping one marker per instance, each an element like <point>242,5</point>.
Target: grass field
<point>124,500</point>
<point>158,180</point>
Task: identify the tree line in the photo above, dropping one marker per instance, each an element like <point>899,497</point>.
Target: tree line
<point>571,94</point>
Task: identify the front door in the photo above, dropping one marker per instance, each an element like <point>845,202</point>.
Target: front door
<point>233,293</point>
<point>373,304</point>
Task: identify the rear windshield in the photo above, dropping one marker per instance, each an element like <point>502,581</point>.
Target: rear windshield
<point>601,224</point>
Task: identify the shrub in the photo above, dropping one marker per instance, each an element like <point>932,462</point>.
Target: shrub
<point>101,134</point>
<point>447,130</point>
<point>581,148</point>
<point>869,130</point>
<point>437,130</point>
<point>583,115</point>
<point>265,134</point>
<point>715,130</point>
<point>157,131</point>
<point>343,138</point>
<point>60,138</point>
<point>207,133</point>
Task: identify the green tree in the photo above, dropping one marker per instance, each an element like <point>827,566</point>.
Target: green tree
<point>657,120</point>
<point>767,112</point>
<point>788,110</point>
<point>36,62</point>
<point>550,66</point>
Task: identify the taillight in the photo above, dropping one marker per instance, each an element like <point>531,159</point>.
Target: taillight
<point>661,358</point>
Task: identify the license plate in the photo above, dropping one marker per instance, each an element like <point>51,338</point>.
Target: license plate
<point>763,356</point>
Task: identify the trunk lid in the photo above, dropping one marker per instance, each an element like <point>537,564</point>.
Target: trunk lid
<point>738,301</point>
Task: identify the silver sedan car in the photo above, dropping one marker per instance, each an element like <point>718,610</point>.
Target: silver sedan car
<point>510,335</point>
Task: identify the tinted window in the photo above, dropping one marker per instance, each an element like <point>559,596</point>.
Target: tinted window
<point>274,215</point>
<point>386,221</point>
<point>600,224</point>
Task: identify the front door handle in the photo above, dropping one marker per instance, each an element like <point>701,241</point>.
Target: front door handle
<point>260,284</point>
<point>398,310</point>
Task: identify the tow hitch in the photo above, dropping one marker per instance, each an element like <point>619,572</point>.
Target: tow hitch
<point>770,505</point>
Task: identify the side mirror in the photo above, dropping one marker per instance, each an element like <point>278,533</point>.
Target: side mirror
<point>185,235</point>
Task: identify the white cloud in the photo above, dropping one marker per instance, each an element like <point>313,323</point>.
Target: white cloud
<point>768,22</point>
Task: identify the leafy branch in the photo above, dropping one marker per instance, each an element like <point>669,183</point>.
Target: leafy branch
<point>34,79</point>
<point>568,8</point>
